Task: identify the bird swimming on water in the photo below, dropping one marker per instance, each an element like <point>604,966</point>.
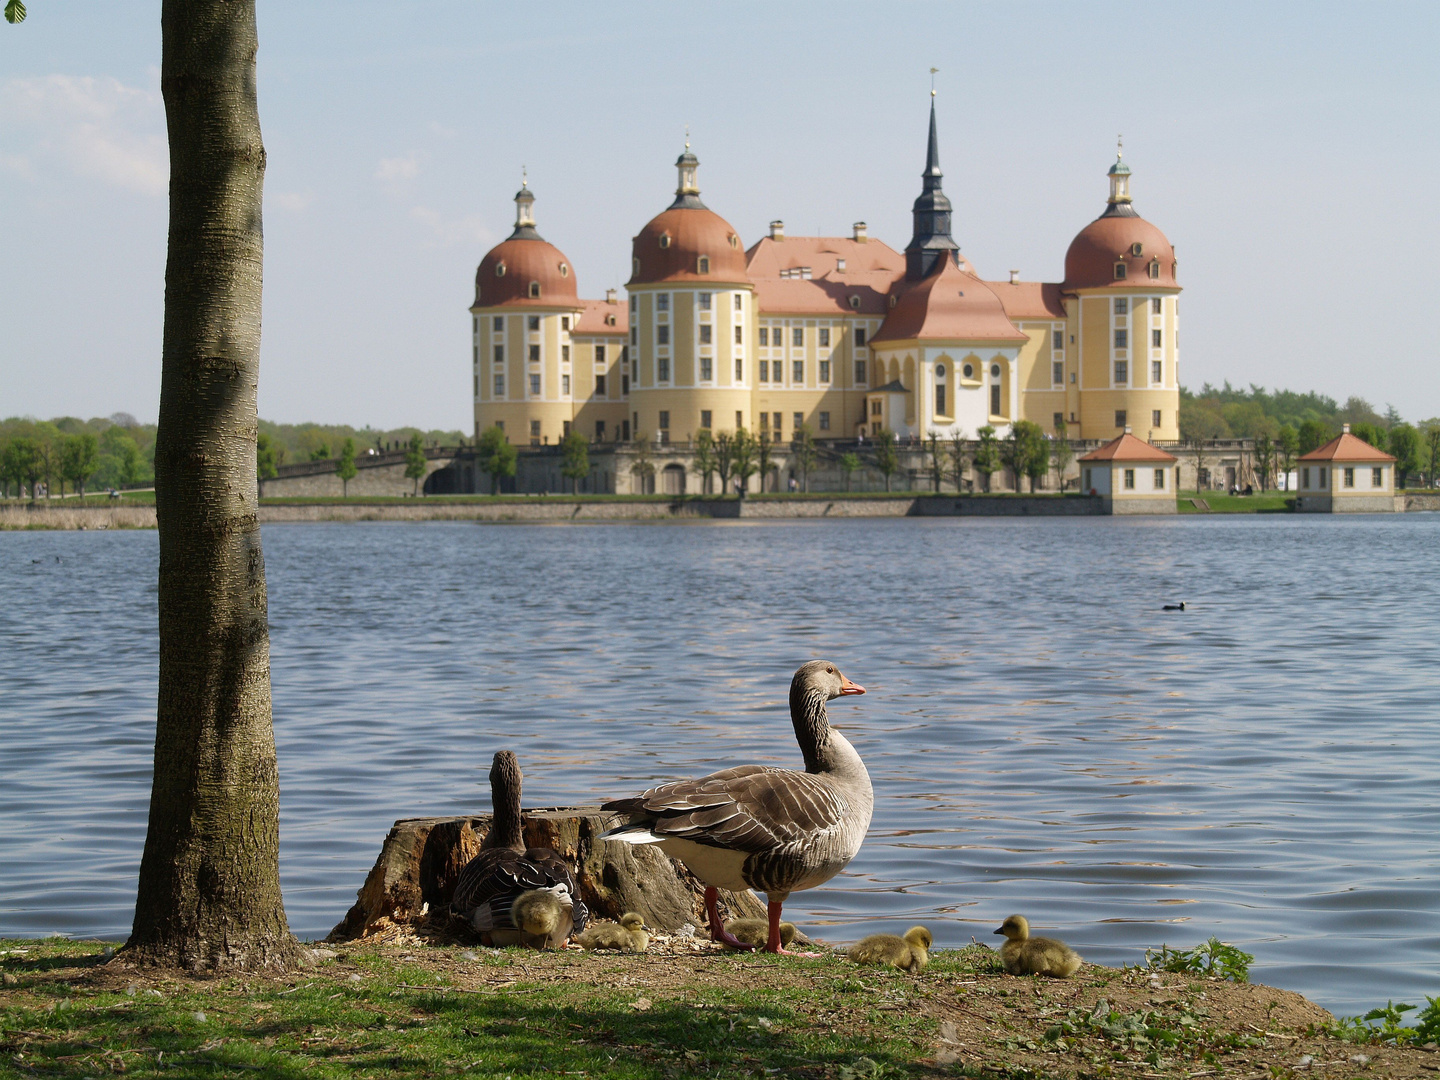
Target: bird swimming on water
<point>1174,607</point>
<point>759,827</point>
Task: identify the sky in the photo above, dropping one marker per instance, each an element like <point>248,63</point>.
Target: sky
<point>1288,150</point>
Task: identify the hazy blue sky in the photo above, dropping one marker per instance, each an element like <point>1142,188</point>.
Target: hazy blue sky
<point>1289,151</point>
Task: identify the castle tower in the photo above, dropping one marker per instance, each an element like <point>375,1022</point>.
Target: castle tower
<point>931,238</point>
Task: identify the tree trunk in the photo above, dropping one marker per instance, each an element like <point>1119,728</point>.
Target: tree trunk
<point>209,890</point>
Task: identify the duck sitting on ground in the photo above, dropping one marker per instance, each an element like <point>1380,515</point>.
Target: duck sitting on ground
<point>628,935</point>
<point>909,953</point>
<point>758,827</point>
<point>1026,955</point>
<point>504,870</point>
<point>755,931</point>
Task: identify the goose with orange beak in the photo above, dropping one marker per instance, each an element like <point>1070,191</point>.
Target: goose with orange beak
<point>776,831</point>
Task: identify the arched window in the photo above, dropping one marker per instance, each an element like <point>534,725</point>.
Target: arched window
<point>499,269</point>
<point>703,264</point>
<point>1137,249</point>
<point>635,269</point>
<point>664,240</point>
<point>855,303</point>
<point>994,371</point>
<point>734,241</point>
<point>534,290</point>
<point>1119,271</point>
<point>968,371</point>
<point>1154,269</point>
<point>564,270</point>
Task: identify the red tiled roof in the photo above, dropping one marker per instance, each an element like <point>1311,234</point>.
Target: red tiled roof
<point>949,305</point>
<point>689,233</point>
<point>593,318</point>
<point>1029,299</point>
<point>1090,262</point>
<point>524,261</point>
<point>871,269</point>
<point>1346,447</point>
<point>1128,448</point>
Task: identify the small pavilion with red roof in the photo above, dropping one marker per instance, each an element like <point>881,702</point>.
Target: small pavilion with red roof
<point>1346,476</point>
<point>1130,476</point>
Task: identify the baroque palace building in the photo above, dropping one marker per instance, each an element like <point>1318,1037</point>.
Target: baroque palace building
<point>844,335</point>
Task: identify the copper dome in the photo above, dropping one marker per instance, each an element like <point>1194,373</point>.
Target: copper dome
<point>671,246</point>
<point>533,273</point>
<point>1120,239</point>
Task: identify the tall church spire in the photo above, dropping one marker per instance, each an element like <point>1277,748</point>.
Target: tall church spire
<point>931,238</point>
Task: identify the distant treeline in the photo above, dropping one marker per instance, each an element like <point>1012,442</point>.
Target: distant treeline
<point>118,452</point>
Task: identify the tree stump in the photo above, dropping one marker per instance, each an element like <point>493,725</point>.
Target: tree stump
<point>414,877</point>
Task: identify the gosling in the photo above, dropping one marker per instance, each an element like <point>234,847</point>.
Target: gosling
<point>1026,955</point>
<point>543,917</point>
<point>756,931</point>
<point>909,953</point>
<point>626,936</point>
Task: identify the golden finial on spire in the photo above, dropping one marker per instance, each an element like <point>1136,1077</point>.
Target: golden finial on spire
<point>1119,147</point>
<point>933,73</point>
<point>687,136</point>
<point>524,177</point>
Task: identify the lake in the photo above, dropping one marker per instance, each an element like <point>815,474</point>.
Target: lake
<point>1044,739</point>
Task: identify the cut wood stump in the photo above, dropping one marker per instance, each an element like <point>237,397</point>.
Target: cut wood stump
<point>414,877</point>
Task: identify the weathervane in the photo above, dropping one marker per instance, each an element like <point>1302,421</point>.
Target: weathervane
<point>1119,147</point>
<point>933,73</point>
<point>524,177</point>
<point>687,136</point>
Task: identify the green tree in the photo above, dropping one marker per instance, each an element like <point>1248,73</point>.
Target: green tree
<point>642,468</point>
<point>321,452</point>
<point>849,462</point>
<point>1264,460</point>
<point>415,460</point>
<point>724,459</point>
<point>1313,434</point>
<point>987,454</point>
<point>575,458</point>
<point>958,459</point>
<point>22,463</point>
<point>266,467</point>
<point>1287,448</point>
<point>1430,432</point>
<point>936,463</point>
<point>345,467</point>
<point>746,459</point>
<point>886,456</point>
<point>495,455</point>
<point>1404,445</point>
<point>805,453</point>
<point>47,438</point>
<point>764,452</point>
<point>209,886</point>
<point>79,456</point>
<point>1026,452</point>
<point>1062,454</point>
<point>1373,434</point>
<point>704,460</point>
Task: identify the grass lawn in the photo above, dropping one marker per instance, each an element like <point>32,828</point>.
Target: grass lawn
<point>1270,502</point>
<point>67,1009</point>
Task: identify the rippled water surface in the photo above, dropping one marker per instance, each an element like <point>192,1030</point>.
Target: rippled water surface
<point>1043,738</point>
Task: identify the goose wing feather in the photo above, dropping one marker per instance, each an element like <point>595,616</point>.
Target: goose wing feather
<point>501,874</point>
<point>753,808</point>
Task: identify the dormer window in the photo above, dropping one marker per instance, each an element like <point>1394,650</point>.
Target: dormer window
<point>609,320</point>
<point>635,268</point>
<point>702,264</point>
<point>664,240</point>
<point>499,269</point>
<point>855,303</point>
<point>1154,269</point>
<point>1137,249</point>
<point>734,240</point>
<point>534,290</point>
<point>1119,271</point>
<point>564,270</point>
<point>840,265</point>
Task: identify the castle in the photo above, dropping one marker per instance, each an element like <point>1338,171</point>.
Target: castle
<point>843,335</point>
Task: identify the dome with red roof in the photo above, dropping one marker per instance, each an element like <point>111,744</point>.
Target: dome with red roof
<point>688,242</point>
<point>950,304</point>
<point>1120,249</point>
<point>524,269</point>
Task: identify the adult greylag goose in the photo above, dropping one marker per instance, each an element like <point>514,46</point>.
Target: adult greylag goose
<point>759,827</point>
<point>504,870</point>
<point>1026,955</point>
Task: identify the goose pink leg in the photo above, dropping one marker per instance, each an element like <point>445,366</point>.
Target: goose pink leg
<point>772,942</point>
<point>717,924</point>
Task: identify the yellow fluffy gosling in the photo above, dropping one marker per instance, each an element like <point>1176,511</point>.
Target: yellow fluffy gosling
<point>1026,955</point>
<point>628,935</point>
<point>909,953</point>
<point>755,931</point>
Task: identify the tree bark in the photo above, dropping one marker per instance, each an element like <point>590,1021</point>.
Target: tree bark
<point>209,890</point>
